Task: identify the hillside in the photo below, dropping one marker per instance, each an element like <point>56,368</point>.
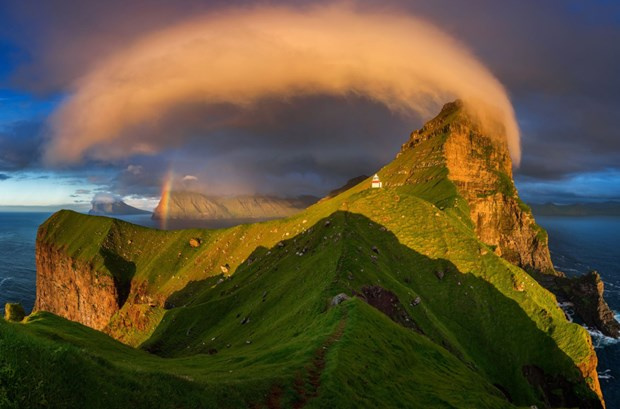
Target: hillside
<point>186,205</point>
<point>438,311</point>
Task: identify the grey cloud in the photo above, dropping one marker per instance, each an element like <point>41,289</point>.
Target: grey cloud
<point>557,59</point>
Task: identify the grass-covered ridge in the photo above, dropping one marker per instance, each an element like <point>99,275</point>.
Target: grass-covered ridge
<point>241,317</point>
<point>272,314</point>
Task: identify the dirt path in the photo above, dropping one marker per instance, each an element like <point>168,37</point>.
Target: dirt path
<point>308,382</point>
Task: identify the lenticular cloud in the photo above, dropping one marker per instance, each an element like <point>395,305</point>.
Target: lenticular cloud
<point>241,57</point>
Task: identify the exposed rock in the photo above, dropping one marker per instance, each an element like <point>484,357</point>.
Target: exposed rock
<point>388,303</point>
<point>74,290</point>
<point>480,167</point>
<point>339,298</point>
<point>14,312</point>
<point>586,294</point>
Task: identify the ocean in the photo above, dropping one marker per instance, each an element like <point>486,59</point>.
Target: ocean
<point>577,244</point>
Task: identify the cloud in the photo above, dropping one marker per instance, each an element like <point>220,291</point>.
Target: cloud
<point>235,60</point>
<point>20,145</point>
<point>82,191</point>
<point>105,197</point>
<point>189,178</point>
<point>4,176</point>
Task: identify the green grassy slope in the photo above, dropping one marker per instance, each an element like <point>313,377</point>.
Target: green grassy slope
<point>265,335</point>
<point>477,326</point>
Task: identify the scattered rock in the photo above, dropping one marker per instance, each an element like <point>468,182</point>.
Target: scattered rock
<point>350,277</point>
<point>328,223</point>
<point>440,274</point>
<point>194,242</point>
<point>225,268</point>
<point>14,312</point>
<point>281,244</point>
<point>249,341</point>
<point>375,249</point>
<point>387,302</point>
<point>245,320</point>
<point>339,298</point>
<point>415,301</point>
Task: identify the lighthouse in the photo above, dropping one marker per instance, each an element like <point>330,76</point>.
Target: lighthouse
<point>376,182</point>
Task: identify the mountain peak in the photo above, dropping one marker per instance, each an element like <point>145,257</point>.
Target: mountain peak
<point>453,157</point>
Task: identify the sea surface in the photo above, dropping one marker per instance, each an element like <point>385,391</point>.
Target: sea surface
<point>582,244</point>
<point>577,244</point>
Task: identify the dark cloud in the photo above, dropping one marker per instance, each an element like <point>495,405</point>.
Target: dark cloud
<point>557,59</point>
<point>20,145</point>
<point>4,176</point>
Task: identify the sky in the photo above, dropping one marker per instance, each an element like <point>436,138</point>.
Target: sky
<point>297,97</point>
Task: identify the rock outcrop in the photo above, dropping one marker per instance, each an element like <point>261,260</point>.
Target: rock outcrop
<point>586,294</point>
<point>74,289</point>
<point>480,167</point>
<point>14,312</point>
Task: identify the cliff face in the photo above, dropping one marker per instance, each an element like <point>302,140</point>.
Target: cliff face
<point>73,289</point>
<point>480,167</point>
<point>196,206</point>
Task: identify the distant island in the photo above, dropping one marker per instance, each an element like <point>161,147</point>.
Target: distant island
<point>111,206</point>
<point>577,209</point>
<point>188,205</point>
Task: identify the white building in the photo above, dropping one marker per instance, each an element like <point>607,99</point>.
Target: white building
<point>376,182</point>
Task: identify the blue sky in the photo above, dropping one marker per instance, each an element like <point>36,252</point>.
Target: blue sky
<point>557,60</point>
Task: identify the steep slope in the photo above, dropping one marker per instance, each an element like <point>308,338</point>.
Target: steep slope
<point>192,205</point>
<point>247,310</point>
<point>480,168</point>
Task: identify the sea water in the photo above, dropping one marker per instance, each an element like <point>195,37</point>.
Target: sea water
<point>577,246</point>
<point>582,244</point>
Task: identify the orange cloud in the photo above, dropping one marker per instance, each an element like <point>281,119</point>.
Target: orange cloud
<point>239,57</point>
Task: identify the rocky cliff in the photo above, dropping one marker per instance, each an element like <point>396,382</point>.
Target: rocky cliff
<point>185,205</point>
<point>480,167</point>
<point>73,289</point>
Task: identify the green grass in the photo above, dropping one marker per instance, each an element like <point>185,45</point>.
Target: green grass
<point>249,338</point>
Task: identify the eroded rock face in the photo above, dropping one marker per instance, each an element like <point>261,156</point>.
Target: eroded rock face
<point>586,294</point>
<point>72,289</point>
<point>480,167</point>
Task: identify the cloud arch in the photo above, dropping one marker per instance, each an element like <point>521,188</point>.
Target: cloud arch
<point>239,57</point>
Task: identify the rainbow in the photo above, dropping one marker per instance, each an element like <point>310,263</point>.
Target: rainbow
<point>164,202</point>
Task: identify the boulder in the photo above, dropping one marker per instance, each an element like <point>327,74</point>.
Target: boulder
<point>14,312</point>
<point>339,298</point>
